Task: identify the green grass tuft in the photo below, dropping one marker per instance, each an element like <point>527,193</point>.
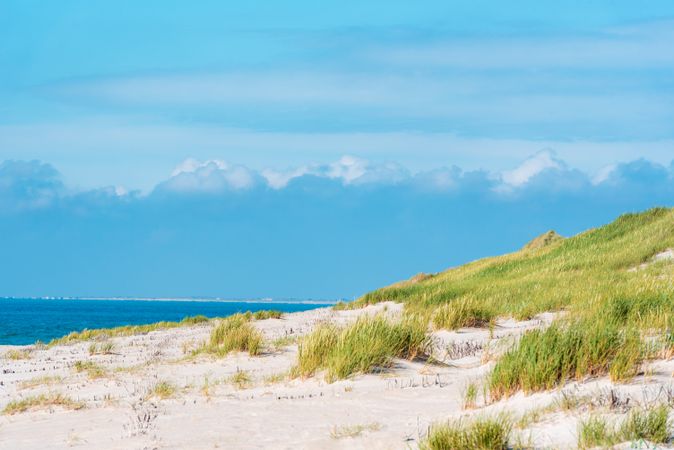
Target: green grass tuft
<point>544,359</point>
<point>480,434</point>
<point>234,333</point>
<point>367,344</point>
<point>650,425</point>
<point>163,390</point>
<point>40,402</point>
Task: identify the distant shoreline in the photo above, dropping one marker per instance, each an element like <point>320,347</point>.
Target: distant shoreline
<point>184,299</point>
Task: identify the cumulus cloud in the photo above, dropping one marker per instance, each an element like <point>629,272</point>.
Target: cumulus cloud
<point>212,176</point>
<point>543,160</point>
<point>28,185</point>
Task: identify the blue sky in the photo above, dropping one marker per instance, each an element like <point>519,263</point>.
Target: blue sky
<point>221,148</point>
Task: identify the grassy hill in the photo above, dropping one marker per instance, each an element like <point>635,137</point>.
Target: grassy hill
<point>619,301</point>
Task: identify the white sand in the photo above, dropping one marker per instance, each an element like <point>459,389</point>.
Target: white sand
<point>394,408</point>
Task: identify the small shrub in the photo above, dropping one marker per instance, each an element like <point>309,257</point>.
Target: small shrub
<point>481,434</point>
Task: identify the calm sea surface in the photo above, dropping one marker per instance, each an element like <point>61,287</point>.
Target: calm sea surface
<point>24,321</point>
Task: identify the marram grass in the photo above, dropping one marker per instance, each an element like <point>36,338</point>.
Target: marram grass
<point>369,343</point>
<point>592,268</point>
<point>484,433</point>
<point>235,333</point>
<point>615,299</point>
<point>648,425</point>
<point>126,330</point>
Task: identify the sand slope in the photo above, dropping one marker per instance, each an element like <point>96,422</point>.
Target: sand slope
<point>390,410</point>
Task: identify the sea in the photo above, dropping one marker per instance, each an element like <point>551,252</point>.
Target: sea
<point>27,320</point>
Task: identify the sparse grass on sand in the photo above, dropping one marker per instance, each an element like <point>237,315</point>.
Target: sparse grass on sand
<point>351,431</point>
<point>478,434</point>
<point>92,369</point>
<point>614,297</point>
<point>40,402</point>
<point>235,333</point>
<point>17,354</point>
<point>47,380</point>
<point>267,314</point>
<point>650,425</point>
<point>163,390</point>
<point>127,330</point>
<point>104,348</point>
<point>241,379</point>
<point>367,344</point>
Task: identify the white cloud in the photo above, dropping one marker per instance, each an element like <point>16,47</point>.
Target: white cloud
<point>545,159</point>
<point>603,174</point>
<point>209,176</point>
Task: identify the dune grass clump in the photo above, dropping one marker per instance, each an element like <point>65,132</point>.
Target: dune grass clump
<point>44,380</point>
<point>92,369</point>
<point>544,359</point>
<point>234,333</point>
<point>267,314</point>
<point>367,344</point>
<point>650,425</point>
<point>41,401</point>
<point>463,312</point>
<point>104,348</point>
<point>241,379</point>
<point>17,354</point>
<point>126,330</point>
<point>480,434</point>
<point>163,390</point>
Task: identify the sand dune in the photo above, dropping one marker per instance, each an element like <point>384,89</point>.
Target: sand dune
<point>112,406</point>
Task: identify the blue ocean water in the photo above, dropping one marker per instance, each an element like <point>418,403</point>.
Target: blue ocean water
<point>24,321</point>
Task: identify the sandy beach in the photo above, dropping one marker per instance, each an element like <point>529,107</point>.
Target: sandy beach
<point>240,401</point>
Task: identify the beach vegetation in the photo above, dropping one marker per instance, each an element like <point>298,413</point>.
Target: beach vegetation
<point>45,380</point>
<point>92,369</point>
<point>482,433</point>
<point>234,333</point>
<point>17,354</point>
<point>241,379</point>
<point>649,425</point>
<point>41,401</point>
<point>126,330</point>
<point>613,300</point>
<point>163,390</point>
<point>351,431</point>
<point>368,344</point>
<point>267,314</point>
